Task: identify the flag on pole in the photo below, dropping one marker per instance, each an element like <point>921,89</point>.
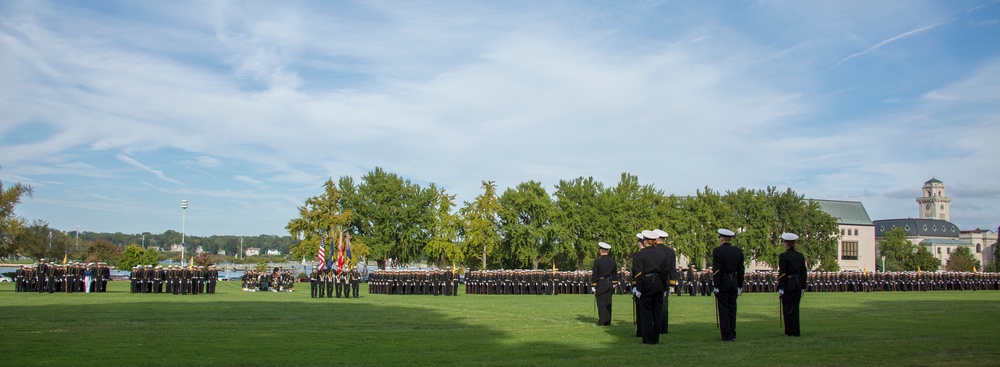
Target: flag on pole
<point>321,255</point>
<point>64,258</point>
<point>349,257</point>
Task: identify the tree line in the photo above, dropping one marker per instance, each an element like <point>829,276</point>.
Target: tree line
<point>527,226</point>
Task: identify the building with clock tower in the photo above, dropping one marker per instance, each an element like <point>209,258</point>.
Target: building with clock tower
<point>933,203</point>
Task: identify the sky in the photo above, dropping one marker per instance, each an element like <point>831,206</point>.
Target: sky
<point>115,111</point>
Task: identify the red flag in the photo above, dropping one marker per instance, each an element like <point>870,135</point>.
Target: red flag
<point>340,258</point>
<point>321,255</point>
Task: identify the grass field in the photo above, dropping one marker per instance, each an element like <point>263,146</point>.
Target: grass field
<point>236,328</point>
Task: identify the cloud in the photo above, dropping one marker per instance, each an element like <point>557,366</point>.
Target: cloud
<point>886,42</point>
<point>247,179</point>
<point>137,164</point>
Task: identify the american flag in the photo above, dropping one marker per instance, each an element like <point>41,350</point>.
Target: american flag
<point>321,256</point>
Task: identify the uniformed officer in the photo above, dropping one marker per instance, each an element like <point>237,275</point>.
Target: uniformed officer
<point>600,281</point>
<point>650,269</point>
<point>669,276</point>
<point>791,283</point>
<point>727,275</point>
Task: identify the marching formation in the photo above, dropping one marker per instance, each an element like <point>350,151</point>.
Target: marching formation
<point>510,282</point>
<point>431,282</point>
<point>173,279</point>
<point>52,278</point>
<point>323,282</point>
<point>275,281</point>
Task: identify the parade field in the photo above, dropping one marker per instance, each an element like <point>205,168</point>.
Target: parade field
<point>236,328</point>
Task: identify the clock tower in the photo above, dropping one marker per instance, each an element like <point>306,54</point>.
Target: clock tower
<point>933,204</point>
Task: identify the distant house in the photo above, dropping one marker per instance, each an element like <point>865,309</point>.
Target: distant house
<point>273,252</point>
<point>176,247</point>
<point>252,251</point>
<point>199,250</point>
<point>221,252</point>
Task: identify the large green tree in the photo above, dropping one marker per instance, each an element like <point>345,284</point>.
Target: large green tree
<point>962,259</point>
<point>481,218</point>
<point>578,208</point>
<point>391,215</point>
<point>526,225</point>
<point>136,255</point>
<point>896,249</point>
<point>624,210</point>
<point>443,248</point>
<point>10,224</point>
<point>320,221</point>
<point>102,251</point>
<point>922,260</point>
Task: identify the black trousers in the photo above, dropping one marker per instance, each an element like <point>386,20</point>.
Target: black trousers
<point>790,311</point>
<point>665,312</point>
<point>727,313</point>
<point>603,299</point>
<point>650,309</point>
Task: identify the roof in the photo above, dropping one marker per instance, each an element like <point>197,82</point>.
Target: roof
<point>846,212</point>
<point>944,242</point>
<point>933,180</point>
<point>917,227</point>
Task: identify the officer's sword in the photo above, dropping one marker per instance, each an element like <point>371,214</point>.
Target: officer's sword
<point>781,313</point>
<point>716,311</point>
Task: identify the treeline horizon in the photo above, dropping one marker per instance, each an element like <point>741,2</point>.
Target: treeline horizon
<point>527,227</point>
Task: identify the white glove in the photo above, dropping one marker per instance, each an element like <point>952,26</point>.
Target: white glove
<point>715,290</point>
<point>593,289</point>
<point>781,292</point>
<point>636,292</point>
<point>739,292</point>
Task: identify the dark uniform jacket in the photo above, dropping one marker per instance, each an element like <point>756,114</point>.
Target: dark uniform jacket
<point>792,273</point>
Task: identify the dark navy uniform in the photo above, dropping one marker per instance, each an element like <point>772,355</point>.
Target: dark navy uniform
<point>601,277</point>
<point>727,274</point>
<point>791,282</point>
<point>650,272</point>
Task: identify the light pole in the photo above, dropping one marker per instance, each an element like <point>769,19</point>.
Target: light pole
<point>50,241</point>
<point>143,241</point>
<point>184,206</point>
<point>77,244</point>
<point>883,263</point>
<point>241,248</point>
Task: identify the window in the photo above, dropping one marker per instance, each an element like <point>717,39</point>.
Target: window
<point>841,231</point>
<point>939,250</point>
<point>979,248</point>
<point>855,231</point>
<point>948,250</point>
<point>849,251</point>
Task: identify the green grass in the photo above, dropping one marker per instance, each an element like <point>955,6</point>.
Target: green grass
<point>288,329</point>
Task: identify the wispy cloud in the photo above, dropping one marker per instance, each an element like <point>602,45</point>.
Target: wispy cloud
<point>886,42</point>
<point>134,163</point>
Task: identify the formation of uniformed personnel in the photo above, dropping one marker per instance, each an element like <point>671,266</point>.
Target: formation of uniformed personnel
<point>651,270</point>
<point>603,281</point>
<point>520,282</point>
<point>727,273</point>
<point>69,278</point>
<point>791,283</point>
<point>276,280</point>
<point>173,279</point>
<point>429,282</point>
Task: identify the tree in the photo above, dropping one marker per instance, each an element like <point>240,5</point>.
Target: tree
<point>922,260</point>
<point>320,220</point>
<point>481,224</point>
<point>624,210</point>
<point>962,260</point>
<point>526,225</point>
<point>10,224</point>
<point>443,246</point>
<point>578,208</point>
<point>896,249</point>
<point>136,255</point>
<point>203,259</point>
<point>391,215</point>
<point>102,251</point>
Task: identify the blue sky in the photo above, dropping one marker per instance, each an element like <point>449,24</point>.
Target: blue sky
<point>116,111</point>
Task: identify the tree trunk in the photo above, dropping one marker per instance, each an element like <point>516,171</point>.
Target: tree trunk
<point>534,264</point>
<point>484,257</point>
